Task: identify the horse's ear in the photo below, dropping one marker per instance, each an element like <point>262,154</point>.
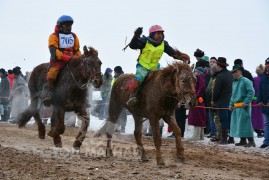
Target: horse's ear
<point>85,50</point>
<point>174,74</point>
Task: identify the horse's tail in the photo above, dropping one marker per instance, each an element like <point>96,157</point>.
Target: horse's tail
<point>27,114</point>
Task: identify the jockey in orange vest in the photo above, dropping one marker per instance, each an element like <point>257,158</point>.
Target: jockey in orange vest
<point>63,47</point>
<point>151,50</point>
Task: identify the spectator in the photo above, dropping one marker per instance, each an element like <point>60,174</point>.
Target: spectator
<point>4,94</point>
<point>197,116</point>
<point>212,61</point>
<point>263,100</point>
<point>200,62</point>
<point>246,73</point>
<point>10,76</point>
<point>256,114</point>
<point>222,93</point>
<point>209,91</point>
<point>242,95</point>
<point>105,92</point>
<point>123,115</point>
<point>181,116</point>
<point>18,96</point>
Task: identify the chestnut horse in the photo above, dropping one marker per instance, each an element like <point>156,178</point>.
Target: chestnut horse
<point>158,98</point>
<point>70,94</point>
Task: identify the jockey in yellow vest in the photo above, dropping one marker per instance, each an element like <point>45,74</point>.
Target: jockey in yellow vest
<point>152,48</point>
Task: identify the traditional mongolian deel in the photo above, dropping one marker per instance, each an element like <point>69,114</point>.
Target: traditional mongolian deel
<point>243,92</point>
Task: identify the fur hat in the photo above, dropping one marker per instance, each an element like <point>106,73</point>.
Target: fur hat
<point>199,53</point>
<point>222,62</point>
<point>260,69</point>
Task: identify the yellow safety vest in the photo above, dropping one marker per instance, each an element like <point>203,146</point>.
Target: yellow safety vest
<point>150,56</point>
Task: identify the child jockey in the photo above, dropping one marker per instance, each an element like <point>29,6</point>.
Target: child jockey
<point>63,46</point>
<point>151,50</point>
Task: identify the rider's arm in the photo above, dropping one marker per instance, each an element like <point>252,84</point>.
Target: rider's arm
<point>54,49</point>
<point>138,43</point>
<point>169,50</point>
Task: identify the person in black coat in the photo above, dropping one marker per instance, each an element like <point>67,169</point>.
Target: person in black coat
<point>222,93</point>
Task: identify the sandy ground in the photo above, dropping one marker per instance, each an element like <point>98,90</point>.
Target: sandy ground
<point>24,156</point>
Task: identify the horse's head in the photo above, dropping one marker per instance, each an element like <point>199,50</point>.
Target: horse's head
<point>184,84</point>
<point>92,66</point>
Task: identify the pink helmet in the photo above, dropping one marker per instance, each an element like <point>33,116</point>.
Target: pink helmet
<point>155,28</point>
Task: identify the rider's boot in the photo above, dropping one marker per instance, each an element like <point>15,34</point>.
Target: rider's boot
<point>48,92</point>
<point>133,88</point>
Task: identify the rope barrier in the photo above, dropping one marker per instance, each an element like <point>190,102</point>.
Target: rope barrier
<point>212,107</point>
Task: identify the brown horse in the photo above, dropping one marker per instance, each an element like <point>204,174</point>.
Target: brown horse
<point>70,94</point>
<point>158,98</point>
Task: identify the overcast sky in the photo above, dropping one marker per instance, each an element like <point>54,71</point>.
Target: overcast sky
<point>228,28</point>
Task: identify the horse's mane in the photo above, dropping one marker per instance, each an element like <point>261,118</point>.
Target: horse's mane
<point>170,69</point>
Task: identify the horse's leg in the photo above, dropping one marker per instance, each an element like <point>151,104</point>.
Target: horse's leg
<point>41,126</point>
<point>154,123</point>
<point>83,116</point>
<point>55,120</point>
<point>114,111</point>
<point>171,121</point>
<point>138,137</point>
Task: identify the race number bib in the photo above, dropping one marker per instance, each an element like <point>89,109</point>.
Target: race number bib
<point>66,40</point>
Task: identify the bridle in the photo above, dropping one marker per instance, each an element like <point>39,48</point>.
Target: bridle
<point>84,61</point>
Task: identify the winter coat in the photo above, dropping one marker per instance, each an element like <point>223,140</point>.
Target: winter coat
<point>223,87</point>
<point>243,92</point>
<point>11,80</point>
<point>208,92</point>
<point>197,115</point>
<point>4,90</point>
<point>106,87</point>
<point>19,96</point>
<point>263,95</point>
<point>256,112</point>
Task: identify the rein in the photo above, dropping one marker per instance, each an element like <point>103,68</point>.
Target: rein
<point>83,86</point>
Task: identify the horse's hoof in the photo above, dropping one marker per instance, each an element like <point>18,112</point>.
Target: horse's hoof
<point>21,126</point>
<point>41,136</point>
<point>76,145</point>
<point>57,141</point>
<point>58,145</point>
<point>160,162</point>
<point>180,160</point>
<point>41,132</point>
